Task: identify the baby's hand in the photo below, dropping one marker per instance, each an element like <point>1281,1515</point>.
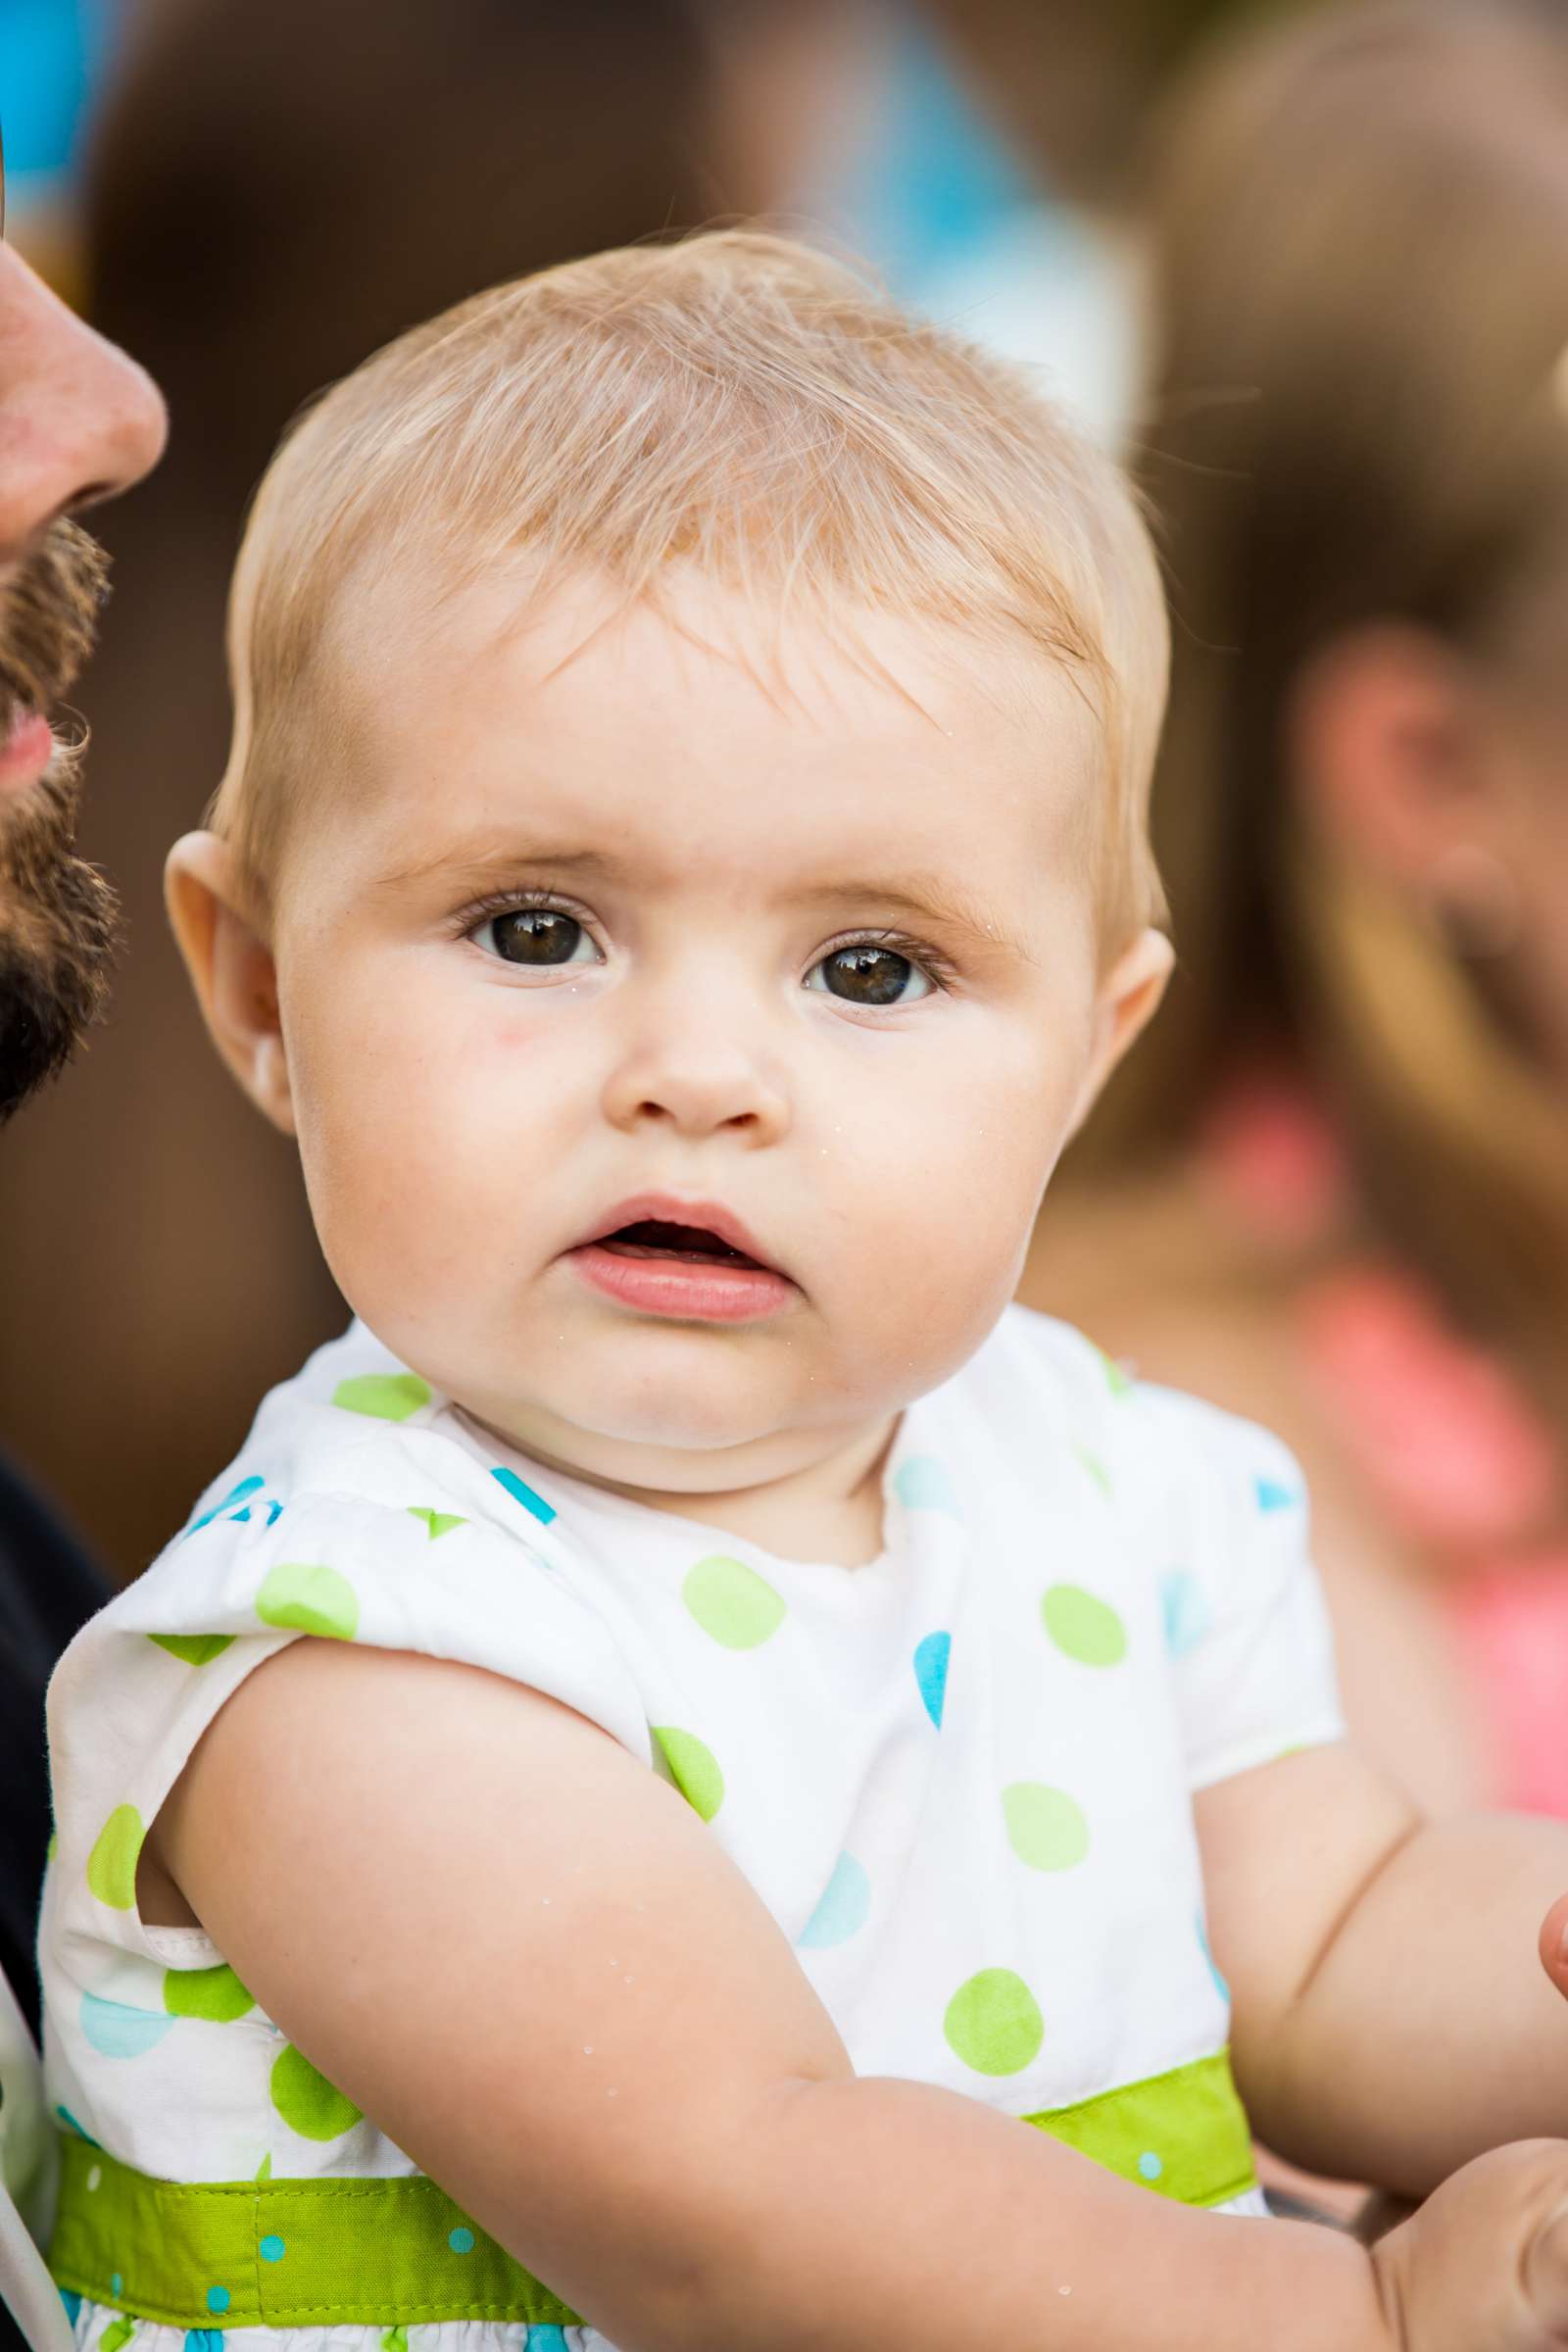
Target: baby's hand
<point>1483,2266</point>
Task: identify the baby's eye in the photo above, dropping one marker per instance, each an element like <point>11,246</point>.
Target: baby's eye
<point>864,973</point>
<point>538,936</point>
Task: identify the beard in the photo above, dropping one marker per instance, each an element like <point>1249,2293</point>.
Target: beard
<point>57,912</point>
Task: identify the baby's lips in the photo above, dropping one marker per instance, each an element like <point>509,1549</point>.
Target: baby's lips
<point>698,1216</point>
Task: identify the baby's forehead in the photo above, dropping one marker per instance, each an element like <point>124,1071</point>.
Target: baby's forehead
<point>580,651</point>
<point>698,724</point>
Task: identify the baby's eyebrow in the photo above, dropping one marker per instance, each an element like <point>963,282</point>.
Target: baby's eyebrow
<point>924,899</point>
<point>915,898</point>
<point>485,855</point>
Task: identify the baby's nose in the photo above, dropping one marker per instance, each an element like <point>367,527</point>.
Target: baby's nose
<point>698,1083</point>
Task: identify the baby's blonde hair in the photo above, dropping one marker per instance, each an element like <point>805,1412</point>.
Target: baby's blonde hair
<point>739,406</point>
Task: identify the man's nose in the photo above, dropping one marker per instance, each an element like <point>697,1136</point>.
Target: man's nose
<point>698,1078</point>
<point>79,421</point>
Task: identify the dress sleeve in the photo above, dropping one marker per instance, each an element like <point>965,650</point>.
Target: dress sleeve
<point>142,1682</point>
<point>1245,1622</point>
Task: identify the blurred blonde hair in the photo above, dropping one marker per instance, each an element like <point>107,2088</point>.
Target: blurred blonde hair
<point>736,405</point>
<point>1361,225</point>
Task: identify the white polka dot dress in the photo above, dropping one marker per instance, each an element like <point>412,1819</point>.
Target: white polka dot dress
<point>958,1777</point>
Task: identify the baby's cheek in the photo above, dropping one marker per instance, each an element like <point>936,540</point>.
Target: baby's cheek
<point>393,1176</point>
<point>944,1229</point>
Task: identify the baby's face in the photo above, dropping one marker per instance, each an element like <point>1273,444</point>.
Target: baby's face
<point>678,1051</point>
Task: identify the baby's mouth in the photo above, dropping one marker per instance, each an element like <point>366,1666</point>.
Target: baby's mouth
<point>692,1245</point>
<point>655,1255</point>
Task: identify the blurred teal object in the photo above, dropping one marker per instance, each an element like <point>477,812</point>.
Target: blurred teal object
<point>933,198</point>
<point>51,54</point>
<point>930,180</point>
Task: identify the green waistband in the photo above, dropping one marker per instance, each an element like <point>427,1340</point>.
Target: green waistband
<point>213,2255</point>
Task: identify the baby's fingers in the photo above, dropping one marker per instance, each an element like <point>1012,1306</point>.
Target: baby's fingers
<point>1545,2276</point>
<point>1553,1944</point>
<point>1483,2265</point>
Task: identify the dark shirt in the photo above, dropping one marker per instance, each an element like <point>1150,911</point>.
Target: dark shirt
<point>48,1587</point>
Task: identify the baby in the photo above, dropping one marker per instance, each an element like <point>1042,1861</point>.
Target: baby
<point>696,1727</point>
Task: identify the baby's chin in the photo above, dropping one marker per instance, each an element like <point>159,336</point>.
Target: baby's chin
<point>677,1443</point>
<point>702,1434</point>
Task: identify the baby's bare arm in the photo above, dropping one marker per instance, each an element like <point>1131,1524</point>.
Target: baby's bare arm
<point>1392,2019</point>
<point>524,1956</point>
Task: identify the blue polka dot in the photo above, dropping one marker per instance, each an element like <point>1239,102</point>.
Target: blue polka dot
<point>217,2300</point>
<point>247,1486</point>
<point>204,2340</point>
<point>271,2249</point>
<point>845,1900</point>
<point>931,1673</point>
<point>1187,1613</point>
<point>119,2031</point>
<point>546,2339</point>
<point>71,2302</point>
<point>461,2241</point>
<point>117,2284</point>
<point>1272,1496</point>
<point>1221,1986</point>
<point>1150,2165</point>
<point>922,1483</point>
<point>530,1501</point>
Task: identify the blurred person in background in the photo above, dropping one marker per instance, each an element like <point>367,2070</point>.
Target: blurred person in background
<point>1336,1197</point>
<point>274,192</point>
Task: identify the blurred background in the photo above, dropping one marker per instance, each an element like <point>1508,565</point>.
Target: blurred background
<point>1306,267</point>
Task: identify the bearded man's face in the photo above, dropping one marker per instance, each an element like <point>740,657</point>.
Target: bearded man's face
<point>57,914</point>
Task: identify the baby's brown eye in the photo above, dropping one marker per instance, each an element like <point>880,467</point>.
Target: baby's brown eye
<point>864,973</point>
<point>538,936</point>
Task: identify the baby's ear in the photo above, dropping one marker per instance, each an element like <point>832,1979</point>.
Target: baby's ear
<point>230,967</point>
<point>1128,1000</point>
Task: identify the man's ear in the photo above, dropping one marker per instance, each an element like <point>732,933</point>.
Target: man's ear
<point>231,969</point>
<point>1129,997</point>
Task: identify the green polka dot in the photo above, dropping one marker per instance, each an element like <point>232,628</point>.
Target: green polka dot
<point>693,1768</point>
<point>53,1846</point>
<point>1096,1469</point>
<point>308,1600</point>
<point>307,2100</point>
<point>994,2023</point>
<point>111,1864</point>
<point>1045,1827</point>
<point>733,1602</point>
<point>438,1523</point>
<point>383,1395</point>
<point>264,2170</point>
<point>1117,1378</point>
<point>214,1993</point>
<point>197,1649</point>
<point>1082,1626</point>
<point>395,2339</point>
<point>119,2331</point>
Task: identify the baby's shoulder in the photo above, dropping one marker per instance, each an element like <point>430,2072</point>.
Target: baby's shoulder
<point>1048,1384</point>
<point>355,1427</point>
<point>360,1507</point>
